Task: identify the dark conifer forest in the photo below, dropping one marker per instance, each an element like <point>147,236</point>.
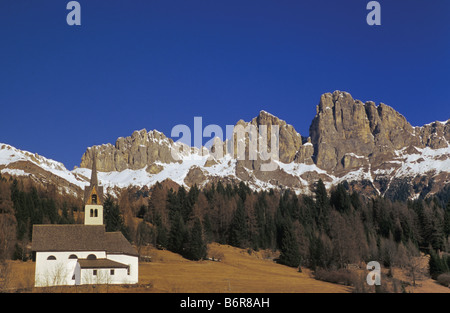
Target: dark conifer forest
<point>324,230</point>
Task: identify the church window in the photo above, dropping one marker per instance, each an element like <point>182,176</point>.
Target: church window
<point>73,256</point>
<point>94,199</point>
<point>95,213</point>
<point>94,272</point>
<point>51,257</point>
<point>91,257</point>
<point>91,213</point>
<point>128,270</point>
<point>111,272</point>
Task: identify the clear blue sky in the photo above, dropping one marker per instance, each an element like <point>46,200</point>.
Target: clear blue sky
<point>157,63</point>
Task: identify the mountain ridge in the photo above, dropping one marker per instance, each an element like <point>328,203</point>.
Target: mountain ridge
<point>374,148</point>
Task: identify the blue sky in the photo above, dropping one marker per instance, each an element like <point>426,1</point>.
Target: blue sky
<point>155,64</point>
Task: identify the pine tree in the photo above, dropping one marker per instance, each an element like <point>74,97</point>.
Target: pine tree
<point>113,218</point>
<point>290,254</point>
<point>355,200</point>
<point>322,200</point>
<point>161,236</point>
<point>263,223</point>
<point>446,227</point>
<point>208,230</point>
<point>172,205</point>
<point>185,202</point>
<point>243,190</point>
<point>340,199</point>
<point>398,231</point>
<point>238,227</point>
<point>320,251</point>
<point>177,235</point>
<point>196,249</point>
<point>437,265</point>
<point>322,206</point>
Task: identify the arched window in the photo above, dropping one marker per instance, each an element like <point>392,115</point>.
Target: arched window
<point>51,257</point>
<point>73,257</point>
<point>91,213</point>
<point>95,213</point>
<point>91,257</point>
<point>94,199</point>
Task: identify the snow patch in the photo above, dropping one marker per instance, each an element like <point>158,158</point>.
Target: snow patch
<point>13,172</point>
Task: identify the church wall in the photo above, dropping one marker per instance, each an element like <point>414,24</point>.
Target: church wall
<point>60,270</point>
<point>132,261</point>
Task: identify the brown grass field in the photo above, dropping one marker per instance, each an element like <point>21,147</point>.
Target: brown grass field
<point>237,272</point>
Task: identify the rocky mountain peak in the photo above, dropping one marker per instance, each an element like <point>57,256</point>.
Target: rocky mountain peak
<point>137,151</point>
<point>290,140</point>
<point>343,125</point>
<point>266,118</point>
<point>340,126</point>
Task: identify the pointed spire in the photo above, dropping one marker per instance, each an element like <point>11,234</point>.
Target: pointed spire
<point>94,179</point>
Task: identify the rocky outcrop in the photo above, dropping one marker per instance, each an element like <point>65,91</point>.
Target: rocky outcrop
<point>305,153</point>
<point>434,135</point>
<point>290,149</point>
<point>290,140</point>
<point>139,150</point>
<point>195,176</point>
<point>348,133</point>
<point>339,127</point>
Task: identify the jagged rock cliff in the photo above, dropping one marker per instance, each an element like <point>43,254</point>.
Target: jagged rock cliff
<point>348,133</point>
<point>142,148</point>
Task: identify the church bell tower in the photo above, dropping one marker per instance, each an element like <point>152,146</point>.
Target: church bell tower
<point>93,199</point>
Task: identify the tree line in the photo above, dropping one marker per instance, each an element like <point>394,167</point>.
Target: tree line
<point>24,203</point>
<point>324,229</point>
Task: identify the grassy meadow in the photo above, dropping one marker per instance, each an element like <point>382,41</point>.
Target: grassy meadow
<point>238,271</point>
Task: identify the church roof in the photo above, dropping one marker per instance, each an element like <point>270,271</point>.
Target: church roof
<point>76,237</point>
<point>100,263</point>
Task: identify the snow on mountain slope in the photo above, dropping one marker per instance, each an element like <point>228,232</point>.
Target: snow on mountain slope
<point>14,162</point>
<point>426,160</point>
<point>420,162</point>
<point>9,154</point>
<point>141,177</point>
<point>11,159</point>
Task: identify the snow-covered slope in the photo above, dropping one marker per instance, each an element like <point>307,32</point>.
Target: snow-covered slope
<point>433,163</point>
<point>16,162</point>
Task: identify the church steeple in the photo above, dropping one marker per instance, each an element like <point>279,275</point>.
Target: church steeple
<point>93,194</point>
<point>94,179</point>
<point>93,198</point>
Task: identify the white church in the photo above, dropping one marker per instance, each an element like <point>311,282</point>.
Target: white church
<point>79,254</point>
